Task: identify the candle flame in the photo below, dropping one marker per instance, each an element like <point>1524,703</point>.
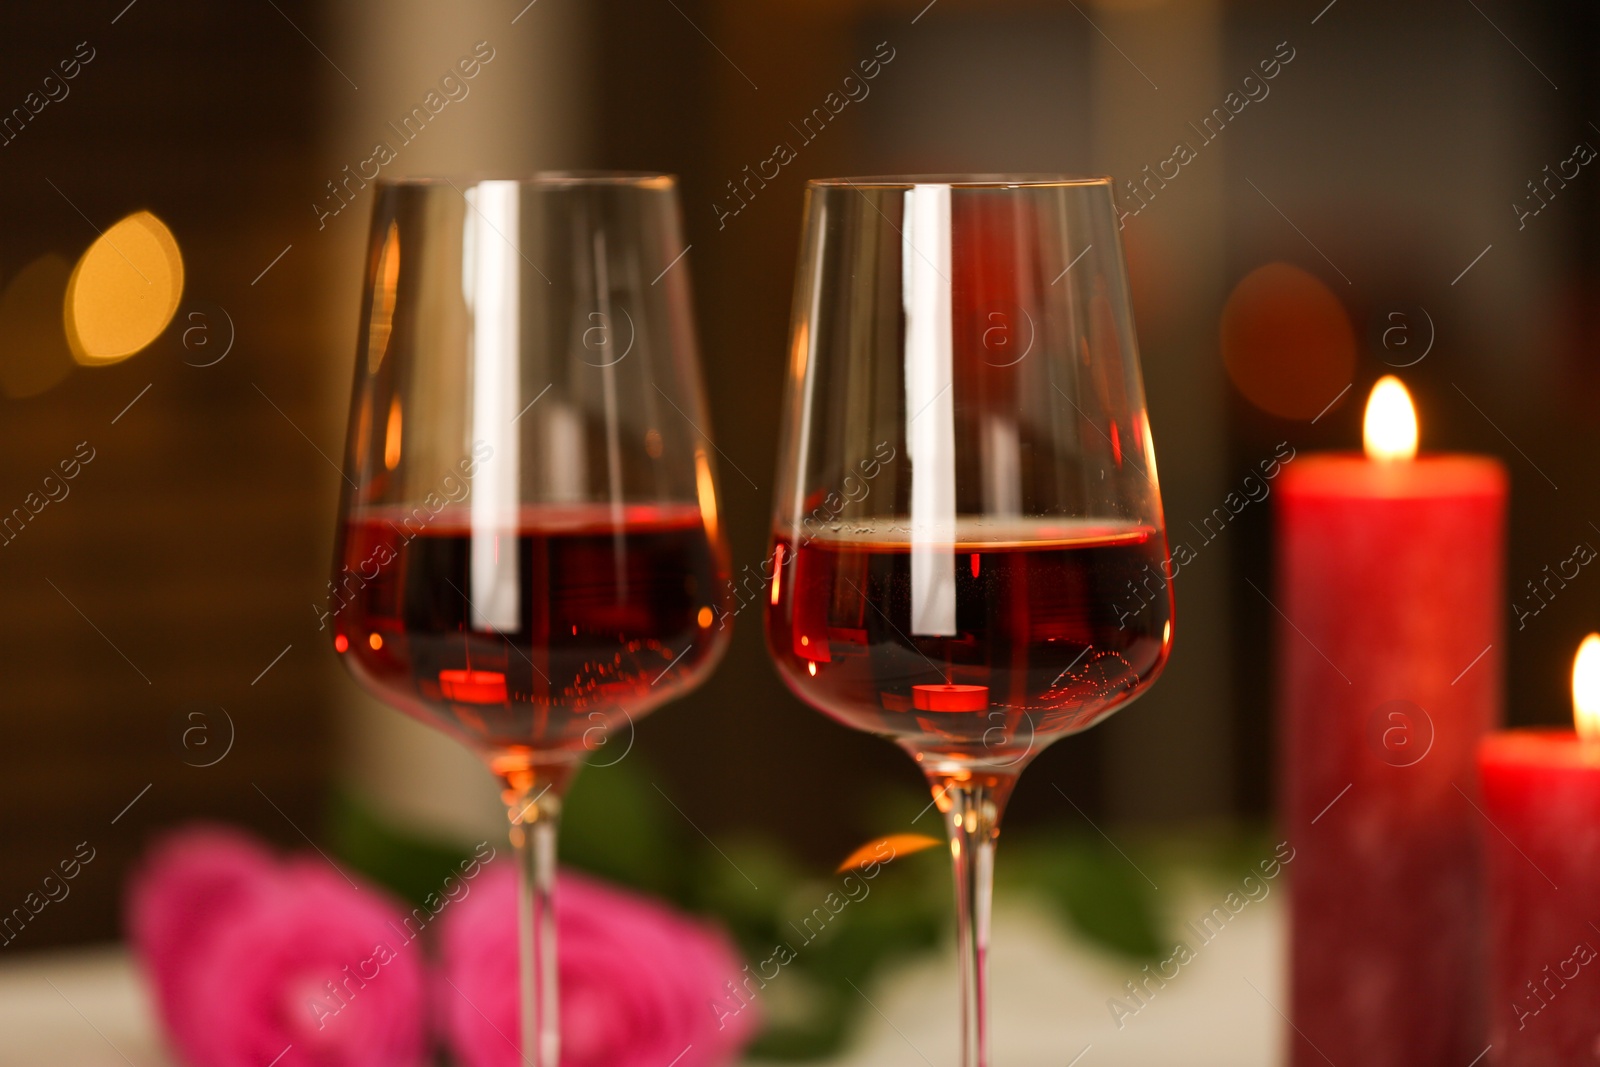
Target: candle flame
<point>1390,428</point>
<point>1586,689</point>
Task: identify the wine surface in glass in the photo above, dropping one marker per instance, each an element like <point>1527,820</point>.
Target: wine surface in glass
<point>1057,623</point>
<point>615,615</point>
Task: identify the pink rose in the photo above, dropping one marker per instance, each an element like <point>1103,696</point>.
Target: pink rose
<point>282,963</point>
<point>638,981</point>
<point>182,888</point>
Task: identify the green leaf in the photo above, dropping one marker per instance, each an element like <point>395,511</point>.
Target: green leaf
<point>409,864</point>
<point>1094,888</point>
<point>614,825</point>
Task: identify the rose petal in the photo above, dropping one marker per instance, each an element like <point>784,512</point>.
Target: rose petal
<point>638,980</point>
<point>253,960</point>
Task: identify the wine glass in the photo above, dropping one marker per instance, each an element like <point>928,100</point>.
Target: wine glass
<point>968,552</point>
<point>529,554</point>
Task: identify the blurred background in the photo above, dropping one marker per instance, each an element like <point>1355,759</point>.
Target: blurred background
<point>1404,172</point>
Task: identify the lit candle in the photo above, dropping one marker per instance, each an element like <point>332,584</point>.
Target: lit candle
<point>1541,794</point>
<point>1390,595</point>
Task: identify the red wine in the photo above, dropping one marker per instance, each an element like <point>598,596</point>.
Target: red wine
<point>598,622</point>
<point>1056,625</point>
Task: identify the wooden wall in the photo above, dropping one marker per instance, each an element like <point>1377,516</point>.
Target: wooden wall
<point>186,557</point>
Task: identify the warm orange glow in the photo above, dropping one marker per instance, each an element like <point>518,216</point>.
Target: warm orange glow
<point>340,643</point>
<point>811,666</point>
<point>704,618</point>
<point>391,437</point>
<point>801,350</point>
<point>1586,689</point>
<point>1286,341</point>
<point>376,641</point>
<point>777,571</point>
<point>887,848</point>
<point>124,290</point>
<point>383,295</point>
<point>1389,431</point>
<point>707,491</point>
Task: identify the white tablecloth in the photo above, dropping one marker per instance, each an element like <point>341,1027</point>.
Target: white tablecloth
<point>1050,994</point>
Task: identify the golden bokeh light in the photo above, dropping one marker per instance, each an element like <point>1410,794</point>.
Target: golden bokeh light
<point>1287,342</point>
<point>1389,430</point>
<point>1586,689</point>
<point>124,290</point>
<point>33,344</point>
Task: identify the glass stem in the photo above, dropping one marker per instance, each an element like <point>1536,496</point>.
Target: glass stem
<point>535,819</point>
<point>972,808</point>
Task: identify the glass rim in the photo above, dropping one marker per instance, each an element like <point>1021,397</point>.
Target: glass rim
<point>642,179</point>
<point>962,181</point>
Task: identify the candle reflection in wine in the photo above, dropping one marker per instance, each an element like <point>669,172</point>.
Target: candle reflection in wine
<point>473,687</point>
<point>597,653</point>
<point>1042,645</point>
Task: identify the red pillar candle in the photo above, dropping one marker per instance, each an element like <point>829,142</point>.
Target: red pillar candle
<point>1541,795</point>
<point>1390,593</point>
